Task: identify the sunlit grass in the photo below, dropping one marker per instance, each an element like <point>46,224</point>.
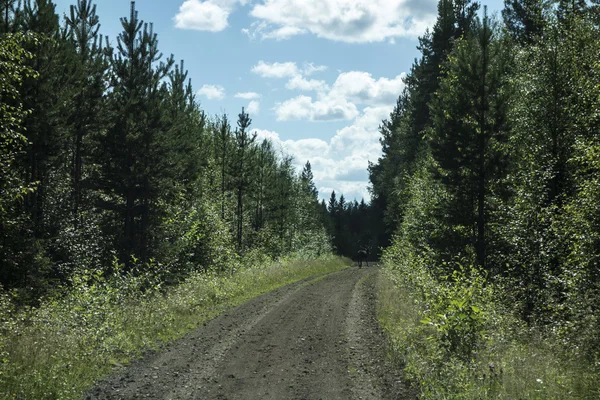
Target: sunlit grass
<point>60,349</point>
<point>515,362</point>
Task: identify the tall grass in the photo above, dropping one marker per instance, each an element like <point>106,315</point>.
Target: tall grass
<point>512,361</point>
<point>58,350</point>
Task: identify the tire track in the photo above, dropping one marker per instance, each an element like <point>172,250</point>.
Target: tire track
<point>317,339</point>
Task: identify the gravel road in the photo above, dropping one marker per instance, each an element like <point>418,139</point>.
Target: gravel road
<point>315,339</point>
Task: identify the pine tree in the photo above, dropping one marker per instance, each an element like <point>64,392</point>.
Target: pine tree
<point>403,132</point>
<point>223,146</point>
<point>133,149</point>
<point>281,208</point>
<point>186,133</point>
<point>470,129</point>
<point>265,167</point>
<point>244,142</point>
<point>89,83</point>
<point>9,15</point>
<point>524,19</point>
<point>43,98</point>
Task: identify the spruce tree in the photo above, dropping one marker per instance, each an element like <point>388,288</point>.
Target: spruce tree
<point>308,181</point>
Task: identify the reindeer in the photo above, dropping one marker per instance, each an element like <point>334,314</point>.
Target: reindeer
<point>362,255</point>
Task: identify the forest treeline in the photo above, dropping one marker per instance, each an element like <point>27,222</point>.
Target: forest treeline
<point>108,162</point>
<point>489,186</point>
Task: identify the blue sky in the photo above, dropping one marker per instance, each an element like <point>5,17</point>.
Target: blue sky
<point>317,76</point>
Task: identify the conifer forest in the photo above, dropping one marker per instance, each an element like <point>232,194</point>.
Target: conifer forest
<point>120,194</point>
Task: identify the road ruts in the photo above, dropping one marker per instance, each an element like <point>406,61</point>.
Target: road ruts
<point>315,339</point>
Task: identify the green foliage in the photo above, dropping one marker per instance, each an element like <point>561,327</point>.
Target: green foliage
<point>469,133</point>
<point>456,312</point>
<point>15,188</point>
<point>127,215</point>
<point>60,348</point>
<point>105,152</point>
<point>455,340</point>
<point>13,71</point>
<point>507,179</point>
<point>524,19</point>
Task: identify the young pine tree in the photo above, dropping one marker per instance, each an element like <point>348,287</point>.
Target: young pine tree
<point>133,149</point>
<point>470,131</point>
<point>244,141</point>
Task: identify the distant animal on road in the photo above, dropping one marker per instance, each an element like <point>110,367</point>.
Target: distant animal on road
<point>362,255</point>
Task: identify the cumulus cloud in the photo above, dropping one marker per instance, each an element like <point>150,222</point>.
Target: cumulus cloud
<point>326,109</point>
<point>212,92</point>
<point>361,87</point>
<point>203,15</point>
<point>352,21</point>
<point>301,83</point>
<point>262,134</point>
<point>295,74</point>
<point>363,135</point>
<point>276,70</point>
<point>310,68</point>
<point>340,163</point>
<point>253,107</point>
<point>355,96</point>
<point>247,95</point>
<point>338,102</point>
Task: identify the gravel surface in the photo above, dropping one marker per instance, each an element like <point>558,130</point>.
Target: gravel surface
<point>315,339</point>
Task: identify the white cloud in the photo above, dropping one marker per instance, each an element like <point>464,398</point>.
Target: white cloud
<point>276,70</point>
<point>326,109</point>
<point>307,149</point>
<point>351,21</point>
<point>202,15</point>
<point>294,73</point>
<point>247,95</point>
<point>310,68</point>
<point>363,135</point>
<point>285,32</point>
<point>361,87</point>
<point>253,107</point>
<point>340,101</point>
<point>262,134</point>
<point>300,83</point>
<point>340,163</point>
<point>262,30</point>
<point>212,92</point>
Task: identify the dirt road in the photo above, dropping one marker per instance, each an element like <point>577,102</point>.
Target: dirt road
<point>315,339</point>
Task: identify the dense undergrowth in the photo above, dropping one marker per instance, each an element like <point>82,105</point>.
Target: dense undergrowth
<point>456,340</point>
<point>459,333</point>
<point>57,351</point>
<point>489,184</point>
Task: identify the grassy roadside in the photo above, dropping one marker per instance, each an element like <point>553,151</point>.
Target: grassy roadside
<point>58,350</point>
<point>511,362</point>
